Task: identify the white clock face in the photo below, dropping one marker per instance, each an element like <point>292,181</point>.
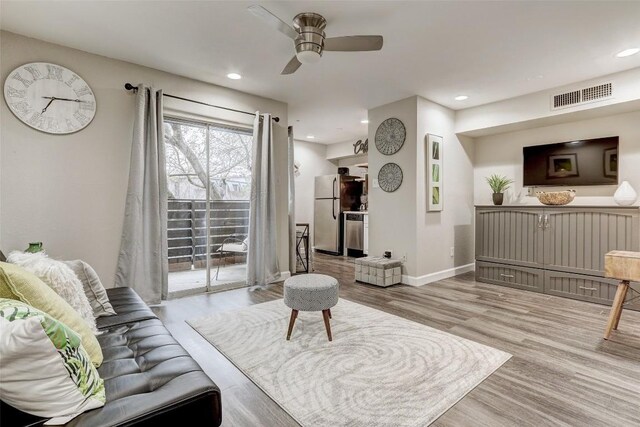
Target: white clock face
<point>50,98</point>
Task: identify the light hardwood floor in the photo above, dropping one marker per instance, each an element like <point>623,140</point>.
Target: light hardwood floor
<point>562,372</point>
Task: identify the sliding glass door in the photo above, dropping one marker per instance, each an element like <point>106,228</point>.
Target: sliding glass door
<point>209,180</point>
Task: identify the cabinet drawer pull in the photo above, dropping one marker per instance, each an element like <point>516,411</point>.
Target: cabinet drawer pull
<point>587,289</point>
<point>510,276</point>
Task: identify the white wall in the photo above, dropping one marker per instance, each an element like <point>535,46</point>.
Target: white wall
<point>392,216</point>
<point>313,162</point>
<point>343,149</point>
<point>534,110</point>
<point>399,221</point>
<point>69,190</point>
<point>438,232</point>
<point>502,154</point>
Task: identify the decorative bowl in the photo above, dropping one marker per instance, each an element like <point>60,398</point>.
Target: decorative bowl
<point>556,197</point>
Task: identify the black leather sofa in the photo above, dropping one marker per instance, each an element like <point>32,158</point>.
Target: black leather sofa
<point>149,378</point>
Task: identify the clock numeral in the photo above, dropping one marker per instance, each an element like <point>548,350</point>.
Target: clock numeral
<point>36,120</point>
<point>54,72</point>
<point>51,124</point>
<point>87,106</point>
<point>71,80</point>
<point>70,125</point>
<point>18,77</point>
<point>84,90</point>
<point>34,71</point>
<point>15,93</point>
<point>81,118</point>
<point>22,107</point>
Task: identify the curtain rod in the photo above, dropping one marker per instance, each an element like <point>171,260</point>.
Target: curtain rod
<point>129,86</point>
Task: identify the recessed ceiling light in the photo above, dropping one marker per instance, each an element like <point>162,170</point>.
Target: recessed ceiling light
<point>628,52</point>
<point>364,122</point>
<point>234,76</point>
<point>310,136</point>
<point>461,97</point>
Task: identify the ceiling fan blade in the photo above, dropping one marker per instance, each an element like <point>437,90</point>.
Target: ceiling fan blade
<point>353,43</point>
<point>292,66</point>
<point>273,21</point>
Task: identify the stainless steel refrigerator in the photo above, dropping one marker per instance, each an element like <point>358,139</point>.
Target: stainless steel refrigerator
<point>333,195</point>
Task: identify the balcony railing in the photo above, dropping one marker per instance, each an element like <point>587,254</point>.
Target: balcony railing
<point>187,229</point>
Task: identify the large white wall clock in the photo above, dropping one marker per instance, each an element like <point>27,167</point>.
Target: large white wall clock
<point>49,98</point>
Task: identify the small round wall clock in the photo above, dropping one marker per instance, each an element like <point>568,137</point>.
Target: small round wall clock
<point>390,136</point>
<point>390,177</point>
<point>49,98</point>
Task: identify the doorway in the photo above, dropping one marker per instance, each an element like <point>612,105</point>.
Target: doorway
<point>209,181</point>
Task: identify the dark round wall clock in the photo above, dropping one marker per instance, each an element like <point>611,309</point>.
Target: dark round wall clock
<point>390,177</point>
<point>390,136</point>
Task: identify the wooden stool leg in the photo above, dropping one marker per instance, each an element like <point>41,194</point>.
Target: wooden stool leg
<point>616,308</point>
<point>329,313</point>
<point>327,325</point>
<point>292,320</point>
<point>622,298</point>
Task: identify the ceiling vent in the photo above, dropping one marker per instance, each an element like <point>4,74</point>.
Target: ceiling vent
<point>582,96</point>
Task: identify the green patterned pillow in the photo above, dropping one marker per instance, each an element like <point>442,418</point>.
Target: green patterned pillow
<point>45,369</point>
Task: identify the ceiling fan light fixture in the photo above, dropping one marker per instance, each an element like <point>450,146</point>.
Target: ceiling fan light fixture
<point>308,56</point>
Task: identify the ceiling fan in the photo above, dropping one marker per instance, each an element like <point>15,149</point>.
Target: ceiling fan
<point>309,37</point>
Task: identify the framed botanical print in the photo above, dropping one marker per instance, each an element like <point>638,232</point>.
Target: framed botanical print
<point>434,151</point>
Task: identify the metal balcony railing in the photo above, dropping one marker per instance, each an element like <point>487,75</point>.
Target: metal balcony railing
<point>187,228</point>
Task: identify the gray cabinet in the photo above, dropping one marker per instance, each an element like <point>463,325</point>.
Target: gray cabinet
<point>577,239</point>
<point>556,250</point>
<point>530,279</point>
<point>586,288</point>
<point>510,236</point>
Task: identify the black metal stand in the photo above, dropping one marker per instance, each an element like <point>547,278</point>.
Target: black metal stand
<point>302,236</point>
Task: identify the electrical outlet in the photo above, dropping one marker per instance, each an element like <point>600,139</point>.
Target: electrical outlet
<point>375,183</point>
<point>404,258</point>
<point>451,251</point>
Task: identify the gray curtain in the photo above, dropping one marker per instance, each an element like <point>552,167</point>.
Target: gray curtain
<point>292,206</point>
<point>262,256</point>
<point>143,263</point>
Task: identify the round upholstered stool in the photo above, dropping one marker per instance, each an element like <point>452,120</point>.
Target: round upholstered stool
<point>310,292</point>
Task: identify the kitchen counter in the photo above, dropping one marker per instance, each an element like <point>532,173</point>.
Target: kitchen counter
<point>357,212</point>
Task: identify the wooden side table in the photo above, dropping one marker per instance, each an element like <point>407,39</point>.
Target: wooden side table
<point>624,266</point>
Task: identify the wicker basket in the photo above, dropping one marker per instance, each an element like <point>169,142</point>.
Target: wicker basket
<point>556,197</point>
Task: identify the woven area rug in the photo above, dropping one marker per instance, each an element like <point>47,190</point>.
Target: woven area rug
<point>379,370</point>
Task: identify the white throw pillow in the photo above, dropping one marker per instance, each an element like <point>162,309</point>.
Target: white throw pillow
<point>59,277</point>
<point>93,289</point>
<point>45,369</point>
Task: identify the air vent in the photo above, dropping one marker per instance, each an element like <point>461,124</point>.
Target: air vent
<point>582,96</point>
<point>596,92</point>
<point>566,99</point>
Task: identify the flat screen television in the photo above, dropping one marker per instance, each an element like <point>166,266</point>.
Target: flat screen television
<point>573,163</point>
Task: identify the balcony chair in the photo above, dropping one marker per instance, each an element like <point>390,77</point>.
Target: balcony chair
<point>232,245</point>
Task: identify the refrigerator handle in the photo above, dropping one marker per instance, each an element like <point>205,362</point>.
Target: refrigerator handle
<point>333,201</point>
<point>334,188</point>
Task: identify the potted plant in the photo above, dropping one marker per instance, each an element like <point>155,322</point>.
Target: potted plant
<point>499,184</point>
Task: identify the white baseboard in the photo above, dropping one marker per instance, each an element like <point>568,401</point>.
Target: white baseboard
<point>438,275</point>
<point>284,275</point>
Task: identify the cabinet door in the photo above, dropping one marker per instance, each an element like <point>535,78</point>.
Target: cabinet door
<point>509,236</point>
<point>576,239</point>
<point>586,288</point>
<point>530,279</point>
